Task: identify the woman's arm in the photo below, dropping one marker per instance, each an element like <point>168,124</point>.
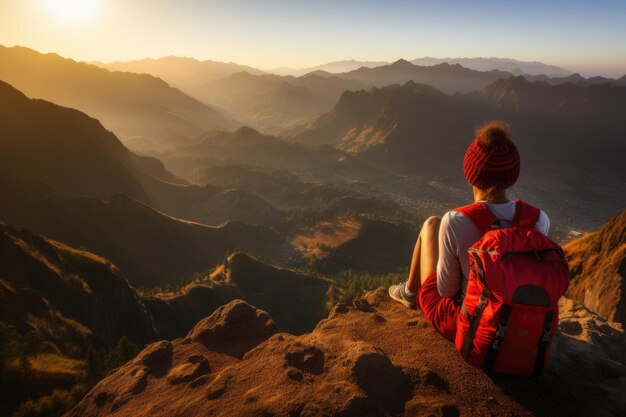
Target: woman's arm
<point>449,273</point>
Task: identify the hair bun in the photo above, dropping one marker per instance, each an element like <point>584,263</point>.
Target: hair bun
<point>494,133</point>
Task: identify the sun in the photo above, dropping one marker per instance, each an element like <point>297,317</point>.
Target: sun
<point>72,10</point>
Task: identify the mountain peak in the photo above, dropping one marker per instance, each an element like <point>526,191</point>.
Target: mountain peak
<point>402,63</point>
<point>246,132</point>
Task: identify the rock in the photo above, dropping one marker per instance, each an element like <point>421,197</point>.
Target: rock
<point>295,374</point>
<point>579,323</point>
<point>217,387</point>
<point>234,328</point>
<point>339,308</point>
<point>309,359</point>
<point>362,304</point>
<point>385,384</point>
<point>134,384</point>
<point>191,369</point>
<point>157,357</point>
<point>102,398</point>
<point>138,381</point>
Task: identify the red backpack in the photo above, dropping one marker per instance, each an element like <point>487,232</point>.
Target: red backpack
<point>510,311</point>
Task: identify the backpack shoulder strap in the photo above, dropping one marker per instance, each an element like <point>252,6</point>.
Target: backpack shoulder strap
<point>480,215</point>
<point>526,216</point>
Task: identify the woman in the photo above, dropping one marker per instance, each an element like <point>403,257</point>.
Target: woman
<point>440,265</point>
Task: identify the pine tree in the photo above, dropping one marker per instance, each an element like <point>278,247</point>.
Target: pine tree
<point>94,364</point>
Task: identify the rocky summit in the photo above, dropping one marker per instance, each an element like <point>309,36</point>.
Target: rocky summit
<point>370,358</point>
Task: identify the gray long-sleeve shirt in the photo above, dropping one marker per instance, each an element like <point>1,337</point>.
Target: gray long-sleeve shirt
<point>457,234</point>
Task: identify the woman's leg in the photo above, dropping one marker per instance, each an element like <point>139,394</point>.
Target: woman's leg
<point>425,254</point>
<point>423,264</point>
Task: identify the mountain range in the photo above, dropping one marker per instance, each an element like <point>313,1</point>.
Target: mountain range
<point>423,131</point>
<point>513,66</point>
<point>576,78</point>
<point>65,176</point>
<point>283,103</point>
<point>180,72</point>
<point>126,103</point>
<point>334,67</point>
<point>273,101</point>
<point>481,64</point>
<point>445,77</point>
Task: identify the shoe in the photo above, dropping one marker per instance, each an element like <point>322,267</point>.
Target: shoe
<point>397,293</point>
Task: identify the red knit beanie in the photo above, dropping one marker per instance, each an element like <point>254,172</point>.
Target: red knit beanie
<point>492,159</point>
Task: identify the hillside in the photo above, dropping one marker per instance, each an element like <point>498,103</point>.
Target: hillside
<point>362,361</point>
<point>380,246</point>
<point>249,148</point>
<point>128,104</point>
<point>73,153</point>
<point>152,248</point>
<point>74,297</point>
<point>68,150</point>
<point>62,312</point>
<point>297,301</point>
<point>598,269</point>
<point>69,295</point>
<point>67,316</point>
<point>357,244</point>
<point>445,77</point>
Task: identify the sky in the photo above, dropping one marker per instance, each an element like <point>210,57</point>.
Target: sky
<point>583,36</point>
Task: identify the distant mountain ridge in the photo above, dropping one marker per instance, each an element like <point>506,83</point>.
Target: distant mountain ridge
<point>514,66</point>
<point>445,77</point>
<point>330,67</point>
<point>128,104</point>
<point>271,101</point>
<point>502,64</point>
<point>578,79</point>
<point>180,72</point>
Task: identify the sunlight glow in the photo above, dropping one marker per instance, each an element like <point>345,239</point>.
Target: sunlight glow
<point>72,10</point>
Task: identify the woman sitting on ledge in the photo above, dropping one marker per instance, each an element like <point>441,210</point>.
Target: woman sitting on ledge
<point>440,266</point>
